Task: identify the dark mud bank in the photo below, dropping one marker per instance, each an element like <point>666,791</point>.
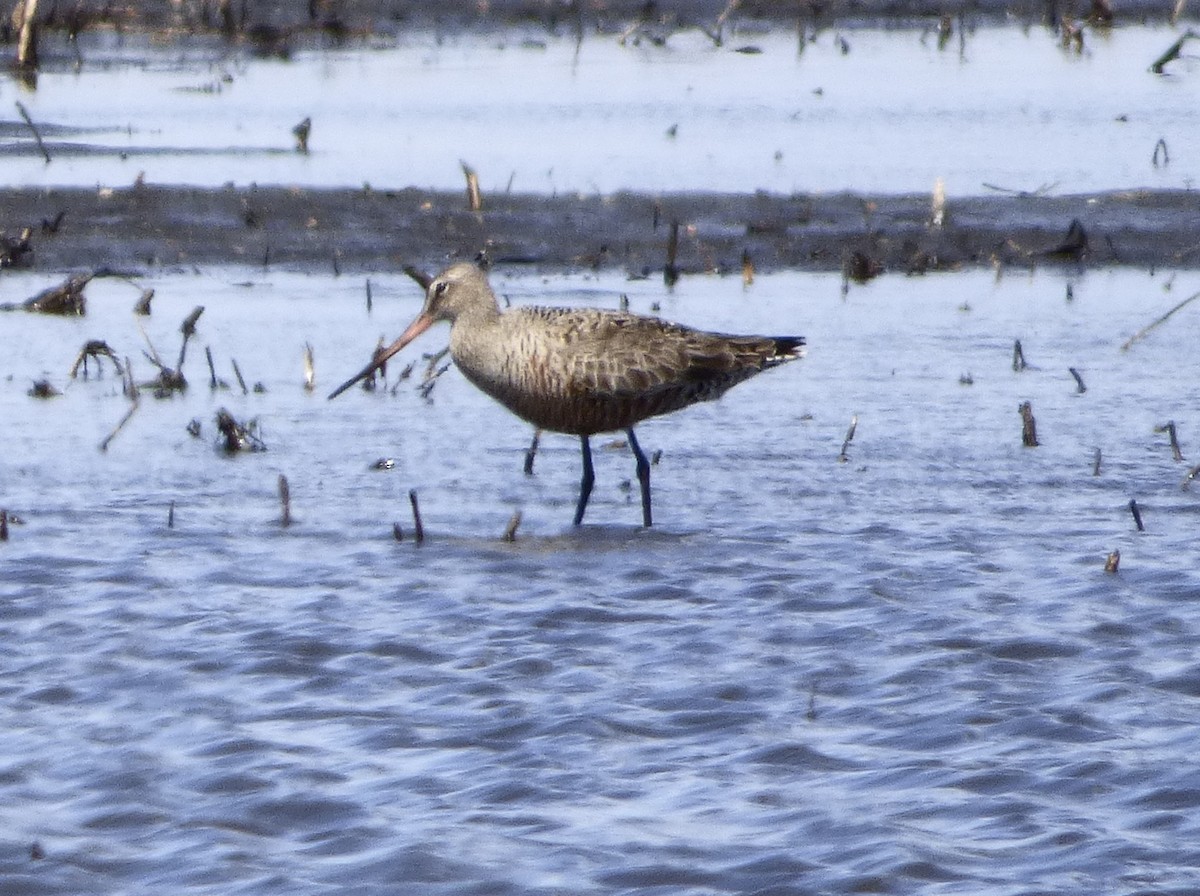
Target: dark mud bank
<point>151,227</point>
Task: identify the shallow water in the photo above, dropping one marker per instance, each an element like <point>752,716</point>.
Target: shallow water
<point>904,673</point>
<point>874,111</point>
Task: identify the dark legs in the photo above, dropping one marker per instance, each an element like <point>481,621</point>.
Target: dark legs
<point>585,486</point>
<point>643,475</point>
<point>589,477</point>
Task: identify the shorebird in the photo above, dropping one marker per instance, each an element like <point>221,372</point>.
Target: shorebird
<point>583,371</point>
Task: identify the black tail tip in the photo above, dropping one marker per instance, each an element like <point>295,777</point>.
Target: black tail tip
<point>789,346</point>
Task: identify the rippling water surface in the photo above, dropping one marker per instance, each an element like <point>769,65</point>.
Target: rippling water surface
<point>903,673</point>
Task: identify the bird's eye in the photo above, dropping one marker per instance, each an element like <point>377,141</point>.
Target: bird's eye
<point>439,289</point>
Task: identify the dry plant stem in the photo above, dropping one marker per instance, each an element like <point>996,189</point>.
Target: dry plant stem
<point>1191,474</point>
<point>670,270</point>
<point>27,40</point>
<point>1018,362</point>
<point>1169,429</point>
<point>1079,386</point>
<point>3,525</point>
<point>238,373</point>
<point>510,531</point>
<point>1028,425</point>
<point>419,530</point>
<point>212,371</point>
<point>132,392</point>
<point>171,515</point>
<point>531,452</point>
<point>1096,463</point>
<point>310,376</point>
<point>1113,562</point>
<point>36,135</point>
<point>843,457</point>
<point>474,197</point>
<point>1137,514</point>
<point>285,502</point>
<point>1142,333</point>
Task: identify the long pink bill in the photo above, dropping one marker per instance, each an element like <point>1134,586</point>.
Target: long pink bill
<point>415,329</point>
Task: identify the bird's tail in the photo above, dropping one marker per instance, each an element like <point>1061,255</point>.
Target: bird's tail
<point>787,348</point>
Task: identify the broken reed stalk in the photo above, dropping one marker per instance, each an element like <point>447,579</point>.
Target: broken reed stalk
<point>474,197</point>
<point>1096,463</point>
<point>188,329</point>
<point>238,373</point>
<point>671,270</point>
<point>132,391</point>
<point>531,452</point>
<point>1191,474</point>
<point>510,531</point>
<point>1018,357</point>
<point>419,530</point>
<point>310,375</point>
<point>1169,429</point>
<point>171,515</point>
<point>285,502</point>
<point>1172,52</point>
<point>301,132</point>
<point>1113,562</point>
<point>747,268</point>
<point>1028,425</point>
<point>212,371</point>
<point>1080,388</point>
<point>397,532</point>
<point>843,457</point>
<point>368,295</point>
<point>1137,514</point>
<point>36,135</point>
<point>3,525</point>
<point>27,38</point>
<point>1166,157</point>
<point>1141,334</point>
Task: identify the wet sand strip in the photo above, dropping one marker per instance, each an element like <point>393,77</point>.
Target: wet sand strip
<point>146,227</point>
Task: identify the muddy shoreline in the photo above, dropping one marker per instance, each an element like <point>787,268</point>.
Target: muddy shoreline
<point>148,227</point>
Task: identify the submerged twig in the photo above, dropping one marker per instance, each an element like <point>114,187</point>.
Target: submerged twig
<point>419,533</point>
<point>474,197</point>
<point>531,452</point>
<point>29,121</point>
<point>94,348</point>
<point>1169,429</point>
<point>1018,362</point>
<point>1113,563</point>
<point>510,531</point>
<point>285,502</point>
<point>1079,386</point>
<point>843,457</point>
<point>131,390</point>
<point>1137,514</point>
<point>1028,425</point>
<point>1172,52</point>
<point>1142,333</point>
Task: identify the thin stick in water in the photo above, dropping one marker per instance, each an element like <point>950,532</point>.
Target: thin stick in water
<point>419,533</point>
<point>212,371</point>
<point>1169,429</point>
<point>510,531</point>
<point>310,375</point>
<point>671,270</point>
<point>843,457</point>
<point>1113,562</point>
<point>3,525</point>
<point>1028,425</point>
<point>1141,334</point>
<point>36,135</point>
<point>474,197</point>
<point>1096,463</point>
<point>531,452</point>
<point>285,501</point>
<point>1137,514</point>
<point>171,515</point>
<point>1079,386</point>
<point>1018,357</point>
<point>238,373</point>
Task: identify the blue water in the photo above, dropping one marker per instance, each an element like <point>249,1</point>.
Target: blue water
<point>903,673</point>
<point>863,110</point>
